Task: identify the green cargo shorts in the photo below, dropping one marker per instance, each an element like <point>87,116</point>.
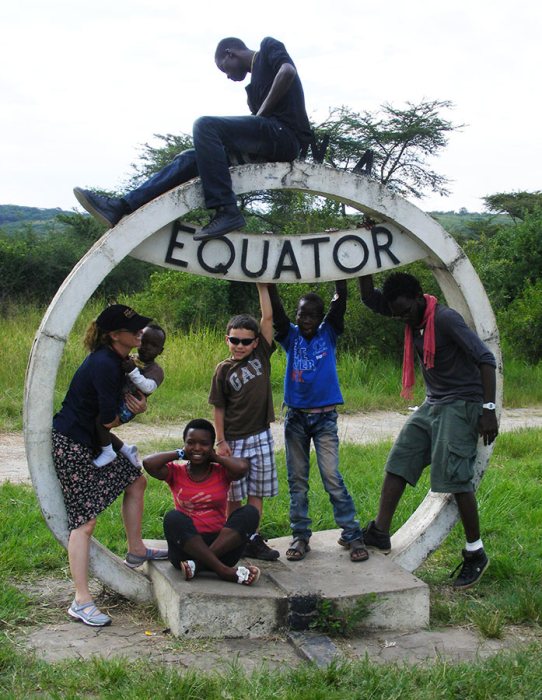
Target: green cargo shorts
<point>444,436</point>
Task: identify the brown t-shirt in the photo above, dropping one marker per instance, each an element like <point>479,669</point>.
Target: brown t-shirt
<point>243,389</point>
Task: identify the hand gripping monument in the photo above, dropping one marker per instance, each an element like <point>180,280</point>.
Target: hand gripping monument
<point>404,234</point>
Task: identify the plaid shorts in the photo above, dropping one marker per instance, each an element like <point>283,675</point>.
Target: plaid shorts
<point>262,478</point>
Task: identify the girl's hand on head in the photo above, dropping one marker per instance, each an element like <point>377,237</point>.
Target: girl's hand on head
<point>223,450</point>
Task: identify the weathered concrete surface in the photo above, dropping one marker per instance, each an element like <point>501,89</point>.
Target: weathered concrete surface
<point>288,593</point>
<point>132,640</point>
<point>137,634</point>
<point>461,287</point>
<point>449,644</point>
<point>209,607</point>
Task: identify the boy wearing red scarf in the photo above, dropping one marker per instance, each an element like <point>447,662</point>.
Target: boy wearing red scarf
<point>459,374</point>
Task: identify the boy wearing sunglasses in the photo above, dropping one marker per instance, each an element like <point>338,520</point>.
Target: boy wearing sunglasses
<point>243,410</point>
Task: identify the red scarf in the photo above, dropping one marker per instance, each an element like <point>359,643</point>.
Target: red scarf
<point>428,323</point>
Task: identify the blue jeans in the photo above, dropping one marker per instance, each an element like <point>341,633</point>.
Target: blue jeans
<point>215,140</point>
<point>299,429</point>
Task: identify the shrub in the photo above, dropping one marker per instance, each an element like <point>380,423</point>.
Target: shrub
<point>180,300</point>
<point>521,323</point>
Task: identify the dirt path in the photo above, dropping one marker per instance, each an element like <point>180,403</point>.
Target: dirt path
<point>361,428</point>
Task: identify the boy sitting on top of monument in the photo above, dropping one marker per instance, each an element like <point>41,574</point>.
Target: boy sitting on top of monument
<point>276,132</point>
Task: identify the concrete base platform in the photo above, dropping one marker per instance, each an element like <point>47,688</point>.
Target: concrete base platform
<point>288,594</point>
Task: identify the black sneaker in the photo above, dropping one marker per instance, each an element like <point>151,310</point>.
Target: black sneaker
<point>225,220</point>
<point>108,210</point>
<point>472,567</point>
<point>375,538</point>
<point>257,549</point>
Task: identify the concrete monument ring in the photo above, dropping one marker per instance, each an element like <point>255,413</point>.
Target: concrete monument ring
<point>153,233</point>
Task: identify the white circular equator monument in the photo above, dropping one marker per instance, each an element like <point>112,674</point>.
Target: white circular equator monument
<point>152,233</point>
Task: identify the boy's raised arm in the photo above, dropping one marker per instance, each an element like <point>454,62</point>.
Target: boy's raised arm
<point>266,322</point>
<point>337,308</point>
<point>222,447</point>
<point>366,286</point>
<point>371,297</point>
<point>281,322</point>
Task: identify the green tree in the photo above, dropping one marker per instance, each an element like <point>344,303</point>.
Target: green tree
<point>33,266</point>
<point>521,323</point>
<point>154,158</point>
<point>181,300</point>
<point>515,204</point>
<point>84,228</point>
<point>509,259</point>
<point>402,141</point>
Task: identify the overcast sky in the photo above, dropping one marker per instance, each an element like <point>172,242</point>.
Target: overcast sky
<point>84,83</point>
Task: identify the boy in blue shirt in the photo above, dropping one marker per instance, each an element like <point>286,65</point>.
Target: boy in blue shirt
<point>311,393</point>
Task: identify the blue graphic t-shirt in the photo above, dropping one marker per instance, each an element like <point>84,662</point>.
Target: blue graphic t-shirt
<point>311,379</point>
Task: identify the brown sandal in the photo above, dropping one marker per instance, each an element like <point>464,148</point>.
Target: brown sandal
<point>358,551</point>
<point>298,549</point>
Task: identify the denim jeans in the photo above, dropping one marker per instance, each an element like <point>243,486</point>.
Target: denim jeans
<point>216,140</point>
<point>299,429</point>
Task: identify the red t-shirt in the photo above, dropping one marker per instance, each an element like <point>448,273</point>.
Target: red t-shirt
<point>203,501</point>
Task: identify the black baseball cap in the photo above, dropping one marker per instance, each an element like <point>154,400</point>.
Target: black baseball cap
<point>121,317</point>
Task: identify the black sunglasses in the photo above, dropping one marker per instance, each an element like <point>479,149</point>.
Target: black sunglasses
<point>234,340</point>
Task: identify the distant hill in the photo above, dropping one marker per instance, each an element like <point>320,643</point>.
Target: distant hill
<point>13,218</point>
<point>467,224</point>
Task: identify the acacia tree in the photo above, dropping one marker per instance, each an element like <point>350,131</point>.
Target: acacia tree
<point>278,210</point>
<point>154,158</point>
<point>515,204</point>
<point>401,139</point>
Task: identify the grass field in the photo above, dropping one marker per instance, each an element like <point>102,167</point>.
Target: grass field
<point>510,500</point>
<point>367,382</point>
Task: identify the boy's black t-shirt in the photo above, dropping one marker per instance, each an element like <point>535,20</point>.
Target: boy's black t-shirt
<point>291,109</point>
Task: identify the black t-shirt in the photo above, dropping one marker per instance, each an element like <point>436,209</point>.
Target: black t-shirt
<point>95,390</point>
<point>459,352</point>
<point>291,109</point>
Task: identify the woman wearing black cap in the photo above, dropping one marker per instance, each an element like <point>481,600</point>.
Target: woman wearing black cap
<point>96,391</point>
